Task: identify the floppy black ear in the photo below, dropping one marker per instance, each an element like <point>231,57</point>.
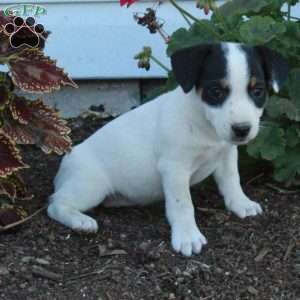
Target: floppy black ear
<point>275,67</point>
<point>186,64</point>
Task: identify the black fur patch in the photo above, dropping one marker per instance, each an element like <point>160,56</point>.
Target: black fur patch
<point>204,67</point>
<point>256,71</point>
<point>213,72</point>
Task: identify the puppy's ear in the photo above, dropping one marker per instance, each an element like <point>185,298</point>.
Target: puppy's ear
<point>275,67</point>
<point>186,64</point>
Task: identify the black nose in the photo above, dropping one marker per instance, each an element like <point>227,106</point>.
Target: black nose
<point>241,130</point>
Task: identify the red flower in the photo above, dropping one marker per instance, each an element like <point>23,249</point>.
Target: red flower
<point>127,2</point>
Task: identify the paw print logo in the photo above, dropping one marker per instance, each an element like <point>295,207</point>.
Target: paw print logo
<point>24,32</point>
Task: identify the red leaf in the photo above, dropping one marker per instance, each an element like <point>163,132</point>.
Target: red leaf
<point>6,50</point>
<point>128,2</point>
<point>41,126</point>
<point>13,187</point>
<point>8,189</point>
<point>10,214</point>
<point>19,133</point>
<point>10,159</point>
<point>20,110</point>
<point>33,72</point>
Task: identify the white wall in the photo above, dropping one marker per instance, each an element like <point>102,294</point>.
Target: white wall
<point>98,39</point>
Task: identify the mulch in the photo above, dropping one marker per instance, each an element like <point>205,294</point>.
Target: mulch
<point>131,257</point>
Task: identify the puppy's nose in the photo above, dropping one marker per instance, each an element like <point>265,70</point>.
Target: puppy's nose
<point>241,130</point>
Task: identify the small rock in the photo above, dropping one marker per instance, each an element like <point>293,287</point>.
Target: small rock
<point>143,246</point>
<point>252,290</point>
<point>66,251</point>
<point>110,243</point>
<point>3,271</point>
<point>42,261</point>
<point>102,249</point>
<point>172,296</point>
<point>23,285</point>
<point>26,259</point>
<point>123,236</point>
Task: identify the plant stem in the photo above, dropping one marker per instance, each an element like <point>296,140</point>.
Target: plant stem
<point>186,19</point>
<point>289,12</point>
<point>294,18</point>
<point>160,63</point>
<point>183,11</point>
<point>187,14</point>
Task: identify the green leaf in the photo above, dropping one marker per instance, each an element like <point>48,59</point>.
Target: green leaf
<point>293,135</point>
<point>278,107</point>
<point>287,167</point>
<point>269,144</point>
<point>202,32</point>
<point>260,30</point>
<point>249,7</point>
<point>294,86</point>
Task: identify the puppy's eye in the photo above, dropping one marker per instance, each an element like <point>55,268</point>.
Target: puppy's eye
<point>258,92</point>
<point>258,95</point>
<point>216,92</point>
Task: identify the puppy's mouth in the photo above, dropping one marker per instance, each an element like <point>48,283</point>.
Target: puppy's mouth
<point>239,141</point>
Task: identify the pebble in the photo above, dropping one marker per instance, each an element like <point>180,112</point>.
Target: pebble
<point>3,271</point>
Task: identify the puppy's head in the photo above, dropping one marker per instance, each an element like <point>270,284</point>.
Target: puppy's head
<point>232,81</point>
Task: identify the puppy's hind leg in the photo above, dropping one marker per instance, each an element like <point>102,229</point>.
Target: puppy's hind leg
<point>75,196</point>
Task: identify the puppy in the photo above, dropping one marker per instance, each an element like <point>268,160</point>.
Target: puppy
<point>160,149</point>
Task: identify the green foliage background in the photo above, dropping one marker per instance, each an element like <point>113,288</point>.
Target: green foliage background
<point>257,22</point>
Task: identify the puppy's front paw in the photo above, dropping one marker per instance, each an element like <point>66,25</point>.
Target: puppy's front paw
<point>84,223</point>
<point>187,239</point>
<point>244,208</point>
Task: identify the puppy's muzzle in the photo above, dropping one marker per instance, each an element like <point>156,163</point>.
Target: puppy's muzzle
<point>240,131</point>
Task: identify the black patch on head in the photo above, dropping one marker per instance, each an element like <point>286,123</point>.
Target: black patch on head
<point>195,64</point>
<point>204,66</point>
<point>275,66</point>
<point>257,80</point>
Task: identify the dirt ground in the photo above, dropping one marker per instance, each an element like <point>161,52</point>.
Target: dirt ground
<point>131,257</point>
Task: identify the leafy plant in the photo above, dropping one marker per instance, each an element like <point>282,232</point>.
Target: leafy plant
<point>23,121</point>
<point>257,22</point>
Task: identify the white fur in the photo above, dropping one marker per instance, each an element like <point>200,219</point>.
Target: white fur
<point>158,151</point>
<point>238,108</point>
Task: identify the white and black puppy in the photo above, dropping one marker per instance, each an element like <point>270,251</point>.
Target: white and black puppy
<point>160,149</point>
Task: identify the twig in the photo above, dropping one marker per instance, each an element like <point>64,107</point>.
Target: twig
<point>262,254</point>
<point>164,35</point>
<point>4,228</point>
<point>98,272</point>
<point>208,297</point>
<point>280,190</point>
<point>288,251</point>
<point>255,178</point>
<point>39,271</point>
<point>208,210</point>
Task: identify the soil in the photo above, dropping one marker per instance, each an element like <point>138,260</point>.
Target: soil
<point>131,257</point>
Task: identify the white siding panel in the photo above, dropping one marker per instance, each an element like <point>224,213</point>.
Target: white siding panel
<point>98,39</point>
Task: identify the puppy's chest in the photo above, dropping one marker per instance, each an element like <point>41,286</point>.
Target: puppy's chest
<point>205,163</point>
